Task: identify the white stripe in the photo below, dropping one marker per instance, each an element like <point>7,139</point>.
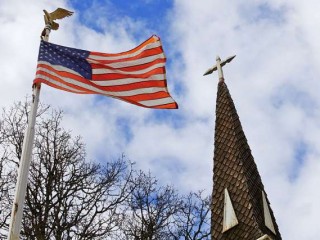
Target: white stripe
<point>157,102</point>
<point>124,81</point>
<point>58,83</point>
<point>58,68</point>
<point>97,90</point>
<point>104,70</point>
<point>148,46</point>
<point>131,63</point>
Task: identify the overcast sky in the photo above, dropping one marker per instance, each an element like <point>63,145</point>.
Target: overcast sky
<point>274,82</point>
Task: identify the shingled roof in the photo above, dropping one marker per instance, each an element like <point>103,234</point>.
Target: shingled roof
<point>240,207</point>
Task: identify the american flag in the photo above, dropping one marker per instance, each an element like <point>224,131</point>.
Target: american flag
<point>137,76</point>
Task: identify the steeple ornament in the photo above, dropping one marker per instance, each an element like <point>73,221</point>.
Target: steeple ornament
<point>219,66</point>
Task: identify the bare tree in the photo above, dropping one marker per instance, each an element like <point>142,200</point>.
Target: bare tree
<point>193,221</point>
<point>67,197</point>
<point>71,198</point>
<point>151,210</point>
<point>156,212</point>
<point>5,185</point>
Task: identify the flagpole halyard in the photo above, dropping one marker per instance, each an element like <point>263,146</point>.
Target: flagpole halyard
<point>26,155</point>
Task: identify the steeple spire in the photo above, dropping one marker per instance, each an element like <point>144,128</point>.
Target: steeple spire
<point>240,207</point>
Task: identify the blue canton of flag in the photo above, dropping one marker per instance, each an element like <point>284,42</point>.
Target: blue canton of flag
<point>71,58</point>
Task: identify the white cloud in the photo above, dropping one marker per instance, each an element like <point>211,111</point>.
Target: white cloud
<point>277,49</point>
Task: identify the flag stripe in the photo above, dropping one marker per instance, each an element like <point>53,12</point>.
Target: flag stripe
<point>59,85</point>
<point>115,76</point>
<point>173,105</point>
<point>135,98</point>
<point>137,76</point>
<point>169,102</point>
<point>154,43</point>
<point>145,97</point>
<point>157,102</point>
<point>97,69</point>
<point>58,68</point>
<point>47,71</point>
<point>146,53</point>
<point>129,63</point>
<point>106,82</point>
<point>79,85</point>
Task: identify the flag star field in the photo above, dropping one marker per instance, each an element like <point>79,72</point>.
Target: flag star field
<point>74,59</point>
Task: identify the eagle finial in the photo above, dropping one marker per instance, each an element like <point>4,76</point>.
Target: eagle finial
<point>59,13</point>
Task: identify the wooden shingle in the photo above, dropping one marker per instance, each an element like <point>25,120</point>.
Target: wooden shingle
<point>235,170</point>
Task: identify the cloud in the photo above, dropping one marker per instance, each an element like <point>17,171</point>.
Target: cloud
<point>273,81</point>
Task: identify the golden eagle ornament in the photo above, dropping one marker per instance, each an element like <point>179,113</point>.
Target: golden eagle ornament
<point>59,13</point>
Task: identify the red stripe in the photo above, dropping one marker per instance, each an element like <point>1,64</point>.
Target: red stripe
<point>115,76</point>
<point>167,106</point>
<point>145,53</point>
<point>40,80</point>
<point>129,69</point>
<point>152,39</point>
<point>148,96</point>
<point>133,86</point>
<point>66,83</point>
<point>62,73</point>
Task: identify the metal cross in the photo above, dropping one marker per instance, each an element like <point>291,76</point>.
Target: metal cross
<point>219,66</point>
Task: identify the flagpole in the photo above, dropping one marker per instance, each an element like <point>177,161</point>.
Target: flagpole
<point>23,172</point>
<point>26,155</point>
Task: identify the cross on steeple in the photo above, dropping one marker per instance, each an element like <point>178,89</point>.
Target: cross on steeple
<point>240,208</point>
<point>219,66</point>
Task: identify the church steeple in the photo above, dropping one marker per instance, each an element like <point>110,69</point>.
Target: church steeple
<point>240,207</point>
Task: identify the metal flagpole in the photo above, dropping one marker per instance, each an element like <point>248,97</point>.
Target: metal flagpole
<point>24,164</point>
<point>26,155</point>
<point>21,185</point>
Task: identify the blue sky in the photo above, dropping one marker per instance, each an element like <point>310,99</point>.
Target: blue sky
<point>152,14</point>
<point>274,82</point>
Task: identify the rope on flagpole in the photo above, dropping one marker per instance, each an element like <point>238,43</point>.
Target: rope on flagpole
<point>26,155</point>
